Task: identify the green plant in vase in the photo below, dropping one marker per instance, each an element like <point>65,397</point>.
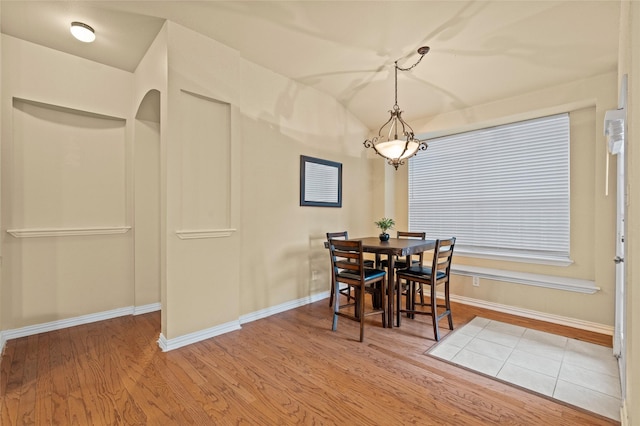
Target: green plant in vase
<point>385,224</point>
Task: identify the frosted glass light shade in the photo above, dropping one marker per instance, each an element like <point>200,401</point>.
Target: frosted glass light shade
<point>394,149</point>
<point>82,32</point>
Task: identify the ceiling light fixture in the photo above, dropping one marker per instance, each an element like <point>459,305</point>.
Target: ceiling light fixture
<point>396,141</point>
<point>83,32</point>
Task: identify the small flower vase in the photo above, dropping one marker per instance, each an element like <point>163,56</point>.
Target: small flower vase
<point>384,237</point>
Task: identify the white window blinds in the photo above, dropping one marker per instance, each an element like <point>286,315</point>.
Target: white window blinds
<point>501,191</point>
<point>321,183</point>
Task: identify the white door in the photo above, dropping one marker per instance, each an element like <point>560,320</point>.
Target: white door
<point>619,332</point>
<point>618,149</point>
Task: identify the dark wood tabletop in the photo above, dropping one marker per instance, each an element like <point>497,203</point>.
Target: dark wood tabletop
<point>395,246</point>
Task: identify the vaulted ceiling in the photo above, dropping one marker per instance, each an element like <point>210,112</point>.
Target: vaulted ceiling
<point>481,51</point>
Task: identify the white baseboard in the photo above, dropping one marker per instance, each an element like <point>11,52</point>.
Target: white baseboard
<point>167,345</point>
<point>263,313</point>
<point>3,341</point>
<point>624,414</point>
<point>145,309</point>
<point>164,343</point>
<point>527,313</point>
<point>195,337</point>
<point>72,322</point>
<point>188,339</point>
<point>65,323</point>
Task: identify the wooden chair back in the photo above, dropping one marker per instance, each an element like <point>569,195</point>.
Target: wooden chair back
<point>347,261</point>
<point>442,255</point>
<point>344,235</point>
<point>417,236</point>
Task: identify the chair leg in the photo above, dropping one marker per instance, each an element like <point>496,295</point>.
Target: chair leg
<point>434,313</point>
<point>411,298</point>
<point>336,306</point>
<point>384,302</point>
<point>333,284</point>
<point>447,303</point>
<point>361,311</point>
<point>398,296</point>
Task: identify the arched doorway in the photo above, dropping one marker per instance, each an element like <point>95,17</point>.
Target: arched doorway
<point>146,164</point>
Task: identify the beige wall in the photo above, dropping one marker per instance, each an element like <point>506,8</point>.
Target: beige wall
<point>273,253</point>
<point>271,122</point>
<point>64,166</point>
<point>152,75</point>
<point>146,147</point>
<point>1,126</point>
<point>592,213</point>
<point>282,243</point>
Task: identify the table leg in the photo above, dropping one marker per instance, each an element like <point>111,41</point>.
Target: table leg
<point>391,285</point>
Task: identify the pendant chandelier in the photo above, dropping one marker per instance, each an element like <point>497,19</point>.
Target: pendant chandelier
<point>396,141</point>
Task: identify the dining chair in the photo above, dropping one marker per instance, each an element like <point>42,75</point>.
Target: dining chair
<point>344,235</point>
<point>419,276</point>
<point>400,263</point>
<point>347,266</point>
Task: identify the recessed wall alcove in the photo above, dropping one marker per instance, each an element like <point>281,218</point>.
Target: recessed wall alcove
<point>146,162</point>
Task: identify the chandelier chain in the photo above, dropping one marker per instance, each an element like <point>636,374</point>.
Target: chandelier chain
<point>404,69</point>
<point>412,66</point>
<point>394,147</point>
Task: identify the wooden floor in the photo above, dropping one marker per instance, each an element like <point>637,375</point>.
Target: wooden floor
<point>287,369</point>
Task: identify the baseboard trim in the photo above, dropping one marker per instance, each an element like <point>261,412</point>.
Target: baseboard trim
<point>624,414</point>
<point>164,343</point>
<point>527,313</point>
<point>30,330</point>
<point>195,337</point>
<point>3,341</point>
<point>145,309</point>
<point>267,312</point>
<point>65,323</point>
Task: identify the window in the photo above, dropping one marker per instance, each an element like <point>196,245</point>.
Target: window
<point>502,191</point>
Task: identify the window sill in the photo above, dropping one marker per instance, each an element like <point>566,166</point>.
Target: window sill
<point>539,260</point>
<point>537,280</point>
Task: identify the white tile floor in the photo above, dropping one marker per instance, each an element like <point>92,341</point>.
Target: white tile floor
<point>576,372</point>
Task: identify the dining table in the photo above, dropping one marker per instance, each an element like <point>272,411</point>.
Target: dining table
<point>391,248</point>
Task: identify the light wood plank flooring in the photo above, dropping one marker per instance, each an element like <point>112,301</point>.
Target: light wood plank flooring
<point>287,369</point>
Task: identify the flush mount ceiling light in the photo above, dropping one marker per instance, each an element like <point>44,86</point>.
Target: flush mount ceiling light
<point>83,32</point>
<point>396,141</point>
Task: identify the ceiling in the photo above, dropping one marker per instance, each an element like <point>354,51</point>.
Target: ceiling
<point>481,51</point>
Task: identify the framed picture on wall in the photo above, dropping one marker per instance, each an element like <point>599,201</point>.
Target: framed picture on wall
<point>320,182</point>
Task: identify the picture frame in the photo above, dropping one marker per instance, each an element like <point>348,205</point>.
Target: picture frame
<point>320,182</point>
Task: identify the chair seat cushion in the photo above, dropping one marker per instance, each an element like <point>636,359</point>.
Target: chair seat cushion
<point>421,272</point>
<point>369,274</point>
